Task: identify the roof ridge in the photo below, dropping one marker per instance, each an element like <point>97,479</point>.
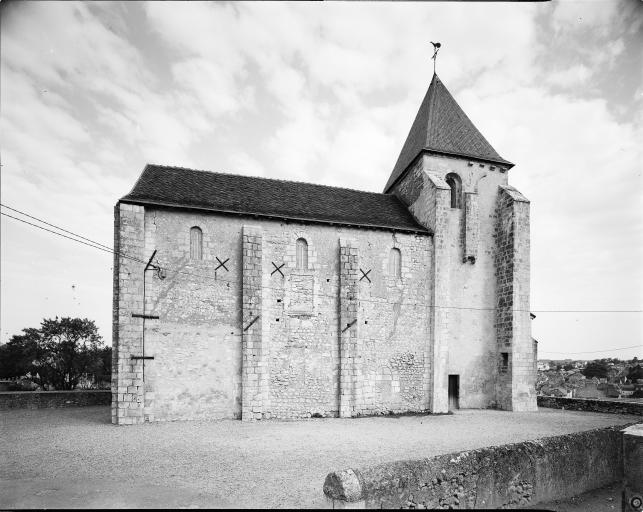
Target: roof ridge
<point>433,91</point>
<point>266,179</point>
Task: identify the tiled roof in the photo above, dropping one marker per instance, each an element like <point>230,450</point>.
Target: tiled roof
<point>441,126</point>
<point>229,193</point>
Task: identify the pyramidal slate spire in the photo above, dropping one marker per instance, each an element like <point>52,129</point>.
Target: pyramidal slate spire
<point>442,127</point>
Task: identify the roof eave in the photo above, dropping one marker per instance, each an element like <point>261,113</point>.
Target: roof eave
<point>419,230</point>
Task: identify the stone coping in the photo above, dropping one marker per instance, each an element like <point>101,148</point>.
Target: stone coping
<point>592,404</point>
<point>512,475</point>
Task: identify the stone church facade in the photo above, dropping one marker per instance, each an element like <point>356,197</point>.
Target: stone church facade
<point>252,298</point>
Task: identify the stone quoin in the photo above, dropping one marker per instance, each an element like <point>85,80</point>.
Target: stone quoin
<point>253,298</point>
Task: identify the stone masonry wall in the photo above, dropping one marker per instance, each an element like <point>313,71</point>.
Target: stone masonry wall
<point>201,366</point>
<point>252,348</point>
<point>463,299</point>
<point>350,378</point>
<point>307,309</point>
<point>471,223</point>
<point>302,316</point>
<point>509,476</point>
<point>53,399</point>
<point>427,196</point>
<point>632,496</point>
<point>197,340</point>
<point>396,374</point>
<point>127,373</point>
<point>588,404</point>
<point>515,386</point>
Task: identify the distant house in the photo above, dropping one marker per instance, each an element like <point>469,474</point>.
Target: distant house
<point>591,389</point>
<point>638,388</point>
<point>627,390</point>
<point>576,379</point>
<point>560,392</point>
<point>588,391</point>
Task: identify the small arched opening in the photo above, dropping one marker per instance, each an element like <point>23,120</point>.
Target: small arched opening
<point>302,254</point>
<point>196,243</point>
<point>395,262</point>
<point>455,184</point>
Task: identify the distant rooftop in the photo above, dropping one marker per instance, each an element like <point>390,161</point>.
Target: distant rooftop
<point>179,187</point>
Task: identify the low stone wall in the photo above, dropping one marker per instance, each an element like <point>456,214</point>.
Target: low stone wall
<point>508,476</point>
<point>589,404</point>
<point>55,399</point>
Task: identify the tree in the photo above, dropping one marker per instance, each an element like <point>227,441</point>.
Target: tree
<point>596,369</point>
<point>19,353</point>
<point>635,372</point>
<point>58,353</point>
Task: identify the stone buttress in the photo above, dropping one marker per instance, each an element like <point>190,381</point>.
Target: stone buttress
<point>516,375</point>
<point>128,394</point>
<point>349,372</point>
<point>252,345</point>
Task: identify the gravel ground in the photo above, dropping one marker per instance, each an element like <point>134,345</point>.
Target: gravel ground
<point>74,458</point>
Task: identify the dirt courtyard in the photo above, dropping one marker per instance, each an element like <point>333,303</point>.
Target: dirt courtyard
<point>75,458</point>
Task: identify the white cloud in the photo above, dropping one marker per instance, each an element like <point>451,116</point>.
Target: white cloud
<point>571,77</point>
<point>323,93</point>
<point>584,15</point>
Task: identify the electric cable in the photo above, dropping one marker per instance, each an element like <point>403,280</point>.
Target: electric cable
<point>588,351</point>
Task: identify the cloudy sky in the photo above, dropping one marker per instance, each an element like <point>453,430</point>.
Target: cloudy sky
<point>326,93</point>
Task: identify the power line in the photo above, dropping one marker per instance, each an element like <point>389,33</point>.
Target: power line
<point>56,233</point>
<point>54,226</point>
<point>589,351</point>
<point>98,246</point>
<point>588,311</point>
<point>216,278</point>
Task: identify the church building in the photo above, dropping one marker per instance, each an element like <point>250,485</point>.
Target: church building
<point>254,298</point>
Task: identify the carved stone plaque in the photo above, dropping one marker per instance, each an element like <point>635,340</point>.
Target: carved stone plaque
<point>301,294</point>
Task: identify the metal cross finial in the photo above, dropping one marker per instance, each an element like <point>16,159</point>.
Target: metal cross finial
<point>436,49</point>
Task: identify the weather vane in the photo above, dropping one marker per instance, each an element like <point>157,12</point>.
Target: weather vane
<point>436,49</point>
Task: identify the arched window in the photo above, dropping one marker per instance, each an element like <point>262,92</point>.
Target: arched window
<point>302,254</point>
<point>196,243</point>
<point>395,263</point>
<point>454,181</point>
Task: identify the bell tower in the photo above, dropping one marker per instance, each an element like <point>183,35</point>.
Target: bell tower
<point>456,184</point>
